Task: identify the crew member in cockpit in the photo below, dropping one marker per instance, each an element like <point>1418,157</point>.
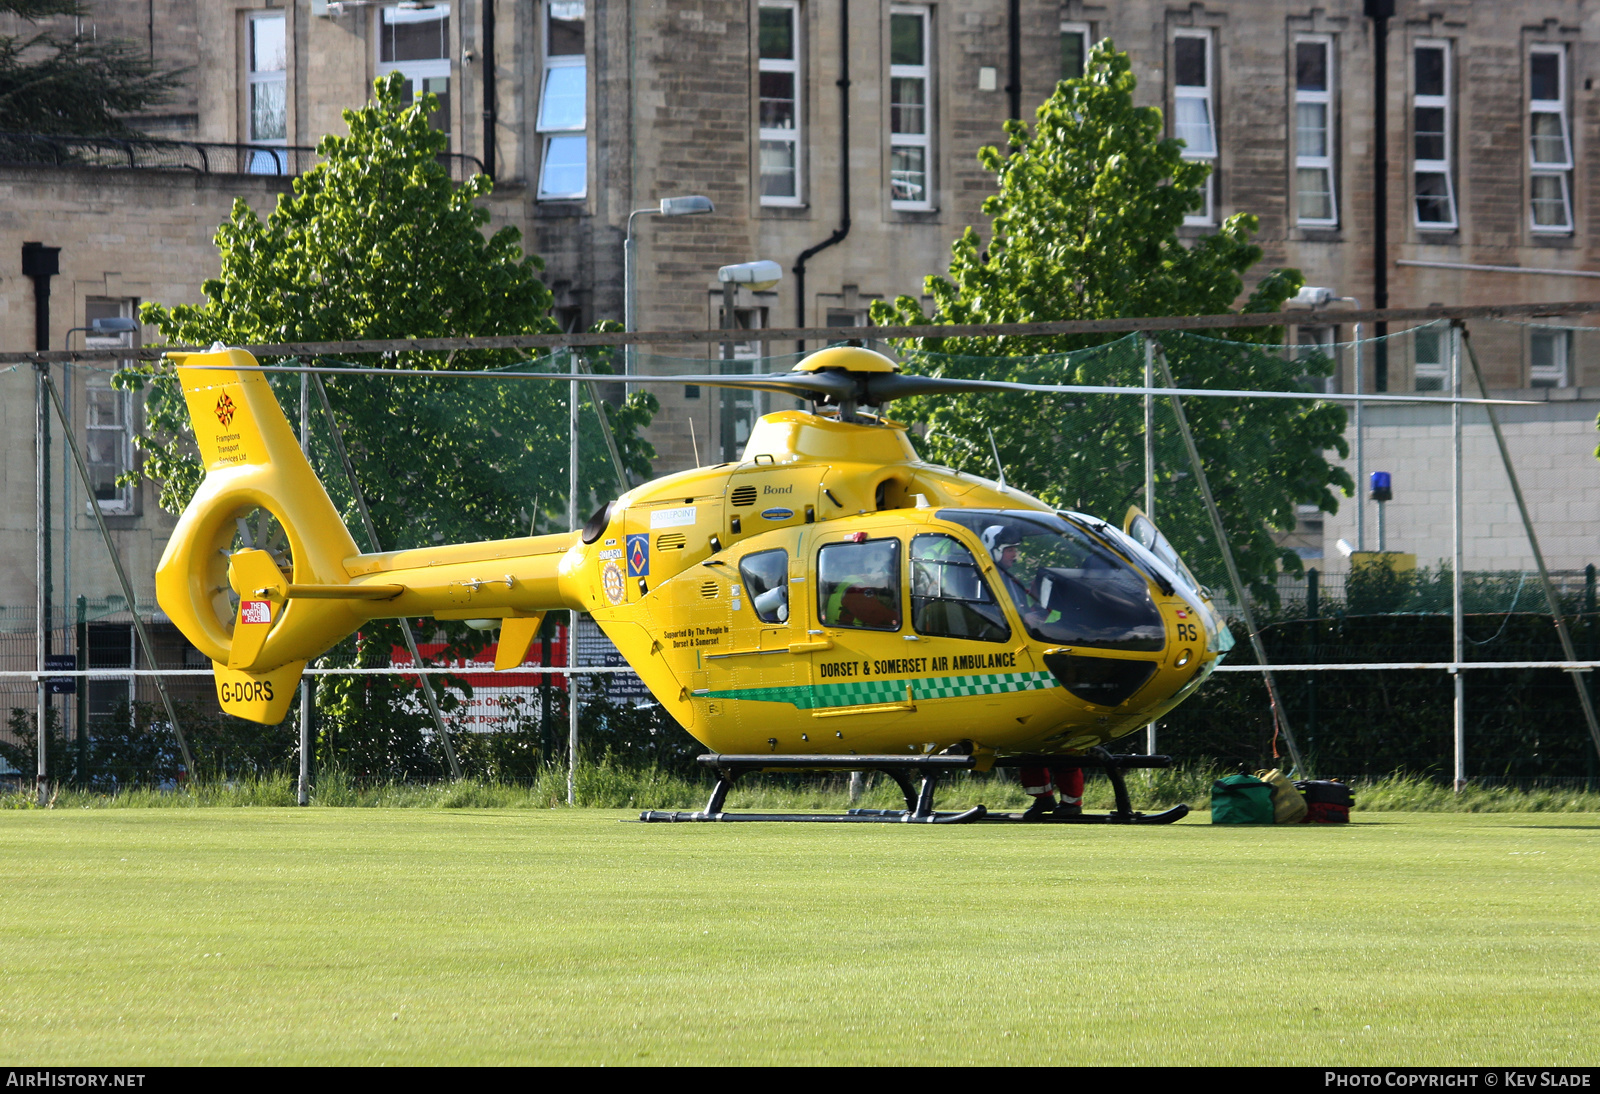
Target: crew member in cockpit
<point>1002,542</point>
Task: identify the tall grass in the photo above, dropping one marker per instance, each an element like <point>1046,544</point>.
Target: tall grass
<point>609,784</point>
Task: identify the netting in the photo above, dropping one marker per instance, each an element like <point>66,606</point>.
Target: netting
<point>452,459</point>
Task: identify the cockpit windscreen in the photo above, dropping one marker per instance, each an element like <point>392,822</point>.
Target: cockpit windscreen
<point>1067,588</point>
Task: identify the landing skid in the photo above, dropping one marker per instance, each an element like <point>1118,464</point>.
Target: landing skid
<point>919,801</point>
<point>1113,766</point>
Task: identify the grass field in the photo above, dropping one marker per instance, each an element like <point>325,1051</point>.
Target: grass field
<point>406,936</point>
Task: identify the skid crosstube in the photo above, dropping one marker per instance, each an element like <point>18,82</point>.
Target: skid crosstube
<point>919,802</point>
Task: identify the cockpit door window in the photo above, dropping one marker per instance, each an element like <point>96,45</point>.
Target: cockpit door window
<point>858,585</point>
<point>949,598</point>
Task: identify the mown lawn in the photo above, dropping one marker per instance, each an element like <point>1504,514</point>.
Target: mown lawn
<point>405,936</point>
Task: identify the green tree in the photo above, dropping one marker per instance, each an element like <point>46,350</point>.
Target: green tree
<point>1086,225</point>
<point>376,242</point>
<point>50,83</point>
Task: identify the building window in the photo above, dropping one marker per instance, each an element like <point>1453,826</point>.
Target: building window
<point>778,43</point>
<point>1548,357</point>
<point>1431,370</point>
<point>1313,127</point>
<point>110,646</point>
<point>1549,141</point>
<point>910,108</point>
<point>416,44</point>
<point>1430,136</point>
<point>1315,347</point>
<point>1194,111</point>
<point>108,432</point>
<point>564,103</point>
<point>268,80</point>
<point>1074,50</point>
<point>741,408</point>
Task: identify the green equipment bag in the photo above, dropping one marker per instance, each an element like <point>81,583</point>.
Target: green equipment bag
<point>1241,799</point>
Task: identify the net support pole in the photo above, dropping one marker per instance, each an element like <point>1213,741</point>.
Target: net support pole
<point>624,481</point>
<point>1578,681</point>
<point>122,579</point>
<point>1278,713</point>
<point>1149,473</point>
<point>1361,452</point>
<point>572,626</point>
<point>1457,618</point>
<point>306,695</point>
<point>405,624</point>
<point>41,453</point>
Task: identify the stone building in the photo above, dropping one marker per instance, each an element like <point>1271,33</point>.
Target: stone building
<point>839,140</point>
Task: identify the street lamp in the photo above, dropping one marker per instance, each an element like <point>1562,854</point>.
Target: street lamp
<point>687,205</point>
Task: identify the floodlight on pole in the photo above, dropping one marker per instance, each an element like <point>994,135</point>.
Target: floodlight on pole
<point>760,276</point>
<point>685,205</point>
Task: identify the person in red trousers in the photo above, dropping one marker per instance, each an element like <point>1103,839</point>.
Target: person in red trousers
<point>1044,782</point>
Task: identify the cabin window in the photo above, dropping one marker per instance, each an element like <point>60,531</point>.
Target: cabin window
<point>858,585</point>
<point>949,598</point>
<point>766,580</point>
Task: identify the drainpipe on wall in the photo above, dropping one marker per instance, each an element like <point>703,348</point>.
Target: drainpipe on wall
<point>490,117</point>
<point>1379,11</point>
<point>844,172</point>
<point>1014,56</point>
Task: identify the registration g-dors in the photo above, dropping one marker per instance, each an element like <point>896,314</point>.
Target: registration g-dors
<point>829,602</point>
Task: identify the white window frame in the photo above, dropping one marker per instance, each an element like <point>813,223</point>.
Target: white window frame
<point>794,137</point>
<point>550,134</point>
<point>1207,96</point>
<point>123,502</point>
<point>255,79</point>
<point>419,72</point>
<point>1086,33</point>
<point>1436,374</point>
<point>923,140</point>
<point>741,408</point>
<point>1560,170</point>
<point>1322,339</point>
<point>1446,166</point>
<point>1558,374</point>
<point>1324,163</point>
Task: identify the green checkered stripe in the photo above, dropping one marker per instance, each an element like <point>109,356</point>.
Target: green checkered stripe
<point>866,692</point>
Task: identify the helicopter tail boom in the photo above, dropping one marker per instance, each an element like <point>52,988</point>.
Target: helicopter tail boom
<point>262,575</point>
<point>259,523</point>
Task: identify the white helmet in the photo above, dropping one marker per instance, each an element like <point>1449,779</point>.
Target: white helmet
<point>997,537</point>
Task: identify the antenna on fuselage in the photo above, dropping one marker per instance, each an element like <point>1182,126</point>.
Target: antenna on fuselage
<point>999,468</point>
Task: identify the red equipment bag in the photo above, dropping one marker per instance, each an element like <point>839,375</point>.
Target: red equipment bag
<point>1327,801</point>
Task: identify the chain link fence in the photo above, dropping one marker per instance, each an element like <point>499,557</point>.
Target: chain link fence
<point>1354,601</point>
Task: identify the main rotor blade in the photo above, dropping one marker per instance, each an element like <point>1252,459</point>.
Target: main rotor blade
<point>872,389</point>
<point>881,387</point>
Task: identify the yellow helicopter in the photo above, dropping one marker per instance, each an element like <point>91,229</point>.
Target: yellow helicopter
<point>829,602</point>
